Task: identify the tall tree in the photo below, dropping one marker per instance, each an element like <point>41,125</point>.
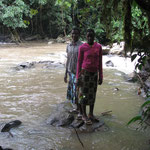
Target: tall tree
<point>12,14</point>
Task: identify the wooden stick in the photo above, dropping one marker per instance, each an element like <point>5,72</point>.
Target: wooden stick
<point>78,136</point>
<point>106,112</point>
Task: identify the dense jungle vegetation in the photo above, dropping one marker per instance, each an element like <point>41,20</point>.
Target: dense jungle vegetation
<point>112,20</point>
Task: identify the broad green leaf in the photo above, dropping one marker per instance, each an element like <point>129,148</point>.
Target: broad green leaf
<point>140,66</point>
<point>133,57</point>
<point>88,1</point>
<point>134,4</point>
<point>146,103</point>
<point>26,22</point>
<point>67,4</point>
<point>134,119</point>
<point>33,11</point>
<point>136,66</point>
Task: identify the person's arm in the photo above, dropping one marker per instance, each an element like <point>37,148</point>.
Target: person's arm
<point>79,62</point>
<point>100,80</point>
<point>66,71</point>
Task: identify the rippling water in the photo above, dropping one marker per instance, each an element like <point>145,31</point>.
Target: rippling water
<point>30,95</point>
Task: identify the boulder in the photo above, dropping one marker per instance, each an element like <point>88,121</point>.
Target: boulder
<point>117,48</point>
<point>25,65</point>
<point>33,37</point>
<point>109,63</point>
<point>11,125</point>
<point>43,64</point>
<point>132,77</point>
<point>52,41</point>
<point>147,83</point>
<point>1,148</point>
<point>61,117</point>
<point>106,50</point>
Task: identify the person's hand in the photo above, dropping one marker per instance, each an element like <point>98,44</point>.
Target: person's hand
<point>65,78</point>
<point>100,81</point>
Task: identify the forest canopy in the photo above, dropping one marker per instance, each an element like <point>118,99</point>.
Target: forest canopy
<point>112,20</point>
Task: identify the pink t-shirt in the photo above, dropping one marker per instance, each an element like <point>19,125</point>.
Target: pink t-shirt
<point>90,59</point>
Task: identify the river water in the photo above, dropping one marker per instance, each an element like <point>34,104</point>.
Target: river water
<point>31,95</point>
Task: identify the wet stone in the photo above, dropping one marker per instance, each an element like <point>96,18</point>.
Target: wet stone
<point>42,64</point>
<point>61,117</point>
<point>77,123</point>
<point>10,125</point>
<point>109,63</point>
<point>91,128</point>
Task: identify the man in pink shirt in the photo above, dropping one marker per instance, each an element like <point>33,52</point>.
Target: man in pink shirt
<point>89,73</point>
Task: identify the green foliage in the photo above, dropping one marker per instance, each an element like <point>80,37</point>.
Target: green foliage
<point>144,114</point>
<point>146,103</point>
<point>11,14</point>
<point>137,118</point>
<point>33,12</point>
<point>57,17</point>
<point>143,56</point>
<point>63,3</point>
<point>117,32</point>
<point>38,2</point>
<point>140,28</point>
<point>26,22</point>
<point>140,35</point>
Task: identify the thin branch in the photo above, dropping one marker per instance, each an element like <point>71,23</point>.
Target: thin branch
<point>78,136</point>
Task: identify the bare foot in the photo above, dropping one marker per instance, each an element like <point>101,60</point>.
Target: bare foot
<point>86,120</point>
<point>93,118</point>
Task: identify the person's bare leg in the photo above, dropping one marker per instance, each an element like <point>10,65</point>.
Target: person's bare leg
<point>84,111</point>
<point>79,116</point>
<point>91,110</point>
<point>91,115</point>
<point>79,108</point>
<point>84,116</point>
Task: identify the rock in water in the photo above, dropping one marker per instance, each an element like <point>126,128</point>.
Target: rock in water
<point>61,117</point>
<point>5,148</point>
<point>91,128</point>
<point>10,125</point>
<point>109,63</point>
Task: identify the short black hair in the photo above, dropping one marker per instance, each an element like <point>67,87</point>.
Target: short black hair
<point>90,30</point>
<point>76,28</point>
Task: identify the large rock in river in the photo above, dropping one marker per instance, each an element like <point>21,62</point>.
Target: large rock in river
<point>41,64</point>
<point>61,117</point>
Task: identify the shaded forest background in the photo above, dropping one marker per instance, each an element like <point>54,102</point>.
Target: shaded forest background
<point>112,20</point>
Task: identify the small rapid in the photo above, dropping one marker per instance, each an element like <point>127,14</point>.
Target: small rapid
<point>31,95</point>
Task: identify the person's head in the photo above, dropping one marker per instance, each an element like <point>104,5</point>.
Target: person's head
<point>75,34</point>
<point>90,35</point>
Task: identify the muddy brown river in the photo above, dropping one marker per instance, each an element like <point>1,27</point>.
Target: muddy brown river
<point>30,95</point>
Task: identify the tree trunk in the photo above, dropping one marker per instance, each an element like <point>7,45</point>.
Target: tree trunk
<point>127,26</point>
<point>63,22</point>
<point>148,16</point>
<point>15,36</point>
<point>41,25</point>
<point>144,4</point>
